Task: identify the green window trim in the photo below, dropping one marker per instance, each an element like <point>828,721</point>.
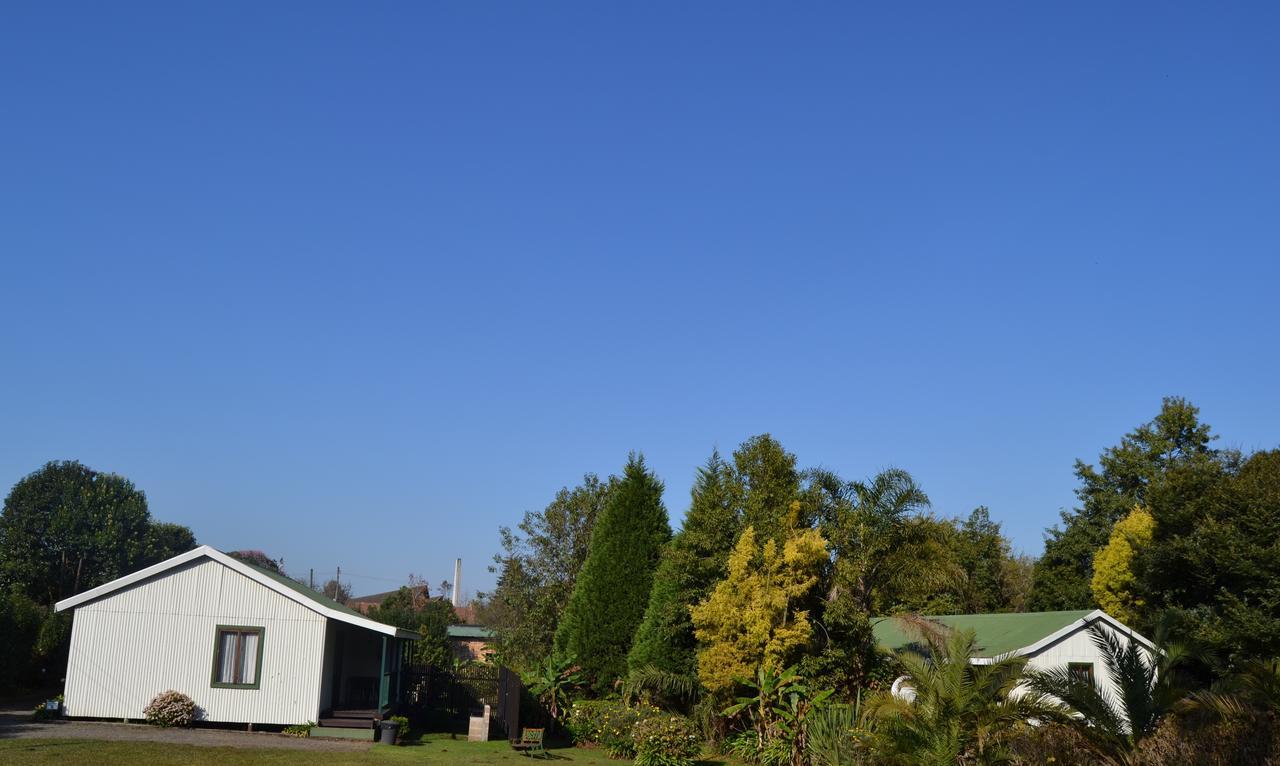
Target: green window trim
<point>217,647</point>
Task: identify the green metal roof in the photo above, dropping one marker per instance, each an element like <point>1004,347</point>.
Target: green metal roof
<point>310,593</point>
<point>996,633</point>
<point>469,632</point>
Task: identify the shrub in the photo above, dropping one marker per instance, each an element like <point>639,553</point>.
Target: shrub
<point>583,720</point>
<point>1051,743</point>
<point>609,724</point>
<point>665,740</point>
<point>170,708</point>
<point>833,736</point>
<point>1251,738</point>
<point>747,748</point>
<point>299,729</point>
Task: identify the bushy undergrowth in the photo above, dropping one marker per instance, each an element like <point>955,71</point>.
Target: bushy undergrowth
<point>171,708</point>
<point>1244,740</point>
<point>665,740</point>
<point>642,732</point>
<point>747,747</point>
<point>298,729</point>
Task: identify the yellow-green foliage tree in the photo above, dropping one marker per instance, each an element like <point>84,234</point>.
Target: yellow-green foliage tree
<point>1113,578</point>
<point>752,618</point>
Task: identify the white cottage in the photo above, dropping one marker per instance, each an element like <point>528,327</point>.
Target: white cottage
<point>247,644</point>
<point>1047,639</point>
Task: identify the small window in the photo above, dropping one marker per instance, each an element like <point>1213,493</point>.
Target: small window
<point>237,657</point>
<point>1081,672</point>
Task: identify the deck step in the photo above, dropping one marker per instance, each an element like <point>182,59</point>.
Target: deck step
<point>347,723</point>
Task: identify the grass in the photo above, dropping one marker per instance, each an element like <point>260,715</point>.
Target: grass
<point>437,751</point>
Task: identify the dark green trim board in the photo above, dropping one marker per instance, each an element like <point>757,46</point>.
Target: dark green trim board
<point>217,645</point>
<point>384,686</point>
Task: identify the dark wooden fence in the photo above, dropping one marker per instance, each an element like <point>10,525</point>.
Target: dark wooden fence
<point>452,697</point>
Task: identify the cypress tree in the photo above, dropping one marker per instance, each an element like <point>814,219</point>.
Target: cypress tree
<point>690,567</point>
<point>611,592</point>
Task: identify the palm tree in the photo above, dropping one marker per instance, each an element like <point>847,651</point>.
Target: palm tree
<point>961,714</point>
<point>867,522</point>
<point>1255,688</point>
<point>1147,687</point>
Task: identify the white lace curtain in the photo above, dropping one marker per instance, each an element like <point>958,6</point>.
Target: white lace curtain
<point>238,657</point>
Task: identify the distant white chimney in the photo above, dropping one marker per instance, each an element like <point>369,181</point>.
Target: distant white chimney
<point>457,582</point>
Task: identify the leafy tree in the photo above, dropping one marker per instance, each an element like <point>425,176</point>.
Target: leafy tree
<point>261,560</point>
<point>1114,581</point>
<point>1147,689</point>
<point>20,626</point>
<point>538,569</point>
<point>165,541</point>
<point>337,591</point>
<point>412,608</point>
<point>983,553</point>
<point>1125,474</point>
<point>691,565</point>
<point>877,536</point>
<point>610,594</point>
<point>1254,688</point>
<point>1018,574</point>
<point>955,712</point>
<point>751,619</point>
<point>1213,563</point>
<point>67,528</point>
<point>766,481</point>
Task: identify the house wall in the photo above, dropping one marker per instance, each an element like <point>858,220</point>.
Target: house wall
<point>159,634</point>
<point>471,650</point>
<point>1078,647</point>
<point>327,664</point>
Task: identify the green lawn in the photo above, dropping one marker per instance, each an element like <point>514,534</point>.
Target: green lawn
<point>436,751</point>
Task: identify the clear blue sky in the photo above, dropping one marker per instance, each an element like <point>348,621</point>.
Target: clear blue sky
<point>310,272</point>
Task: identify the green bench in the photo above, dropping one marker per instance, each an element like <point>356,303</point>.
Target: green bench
<point>530,742</point>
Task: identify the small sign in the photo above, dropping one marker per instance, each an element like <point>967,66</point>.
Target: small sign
<point>52,705</point>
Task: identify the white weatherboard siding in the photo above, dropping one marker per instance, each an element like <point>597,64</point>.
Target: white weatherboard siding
<point>158,634</point>
<point>1078,647</point>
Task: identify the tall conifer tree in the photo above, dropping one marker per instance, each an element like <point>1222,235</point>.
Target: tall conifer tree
<point>691,565</point>
<point>613,588</point>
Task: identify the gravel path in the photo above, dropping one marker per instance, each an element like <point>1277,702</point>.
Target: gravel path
<point>17,723</point>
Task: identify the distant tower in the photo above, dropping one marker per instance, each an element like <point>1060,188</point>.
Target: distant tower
<point>457,582</point>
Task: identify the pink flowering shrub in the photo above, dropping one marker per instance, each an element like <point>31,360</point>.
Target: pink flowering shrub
<point>170,709</point>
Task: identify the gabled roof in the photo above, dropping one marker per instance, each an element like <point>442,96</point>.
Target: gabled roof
<point>1013,633</point>
<point>286,587</point>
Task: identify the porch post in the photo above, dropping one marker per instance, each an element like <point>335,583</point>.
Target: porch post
<point>383,686</point>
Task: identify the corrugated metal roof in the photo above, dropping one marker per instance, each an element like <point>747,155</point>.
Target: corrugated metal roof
<point>469,632</point>
<point>996,633</point>
<point>309,592</point>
